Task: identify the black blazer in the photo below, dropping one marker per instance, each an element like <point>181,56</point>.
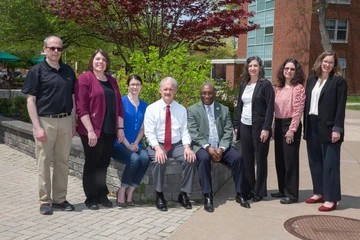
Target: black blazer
<point>262,108</point>
<point>331,108</point>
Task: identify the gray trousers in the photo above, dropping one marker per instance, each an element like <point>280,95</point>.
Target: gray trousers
<point>158,170</point>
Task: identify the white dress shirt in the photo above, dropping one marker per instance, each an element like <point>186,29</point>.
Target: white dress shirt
<point>315,95</point>
<point>154,123</point>
<point>246,98</point>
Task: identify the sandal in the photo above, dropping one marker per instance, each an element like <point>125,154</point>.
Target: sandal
<point>120,204</point>
<point>129,204</point>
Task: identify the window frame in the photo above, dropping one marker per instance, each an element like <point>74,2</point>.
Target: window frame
<point>335,40</point>
<point>339,2</point>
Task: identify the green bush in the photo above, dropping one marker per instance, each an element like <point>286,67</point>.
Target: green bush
<point>15,107</point>
<point>190,74</point>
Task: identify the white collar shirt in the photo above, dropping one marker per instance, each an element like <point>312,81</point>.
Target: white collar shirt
<point>154,123</point>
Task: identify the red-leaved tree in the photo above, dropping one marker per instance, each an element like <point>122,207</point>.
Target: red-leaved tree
<point>135,25</point>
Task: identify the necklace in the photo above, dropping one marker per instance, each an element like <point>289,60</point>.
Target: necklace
<point>134,102</point>
<point>100,79</point>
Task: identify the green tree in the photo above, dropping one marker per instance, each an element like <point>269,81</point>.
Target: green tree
<point>25,24</point>
<point>190,74</point>
<point>136,25</point>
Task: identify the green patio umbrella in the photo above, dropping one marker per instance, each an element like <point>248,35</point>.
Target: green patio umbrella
<point>7,57</point>
<point>37,60</point>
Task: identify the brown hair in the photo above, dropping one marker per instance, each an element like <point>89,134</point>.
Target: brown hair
<point>107,58</point>
<point>317,65</point>
<point>245,77</point>
<point>298,78</point>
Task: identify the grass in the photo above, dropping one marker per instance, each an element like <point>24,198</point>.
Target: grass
<point>353,99</point>
<point>354,107</point>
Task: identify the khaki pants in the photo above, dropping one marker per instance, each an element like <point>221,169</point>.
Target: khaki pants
<point>57,149</point>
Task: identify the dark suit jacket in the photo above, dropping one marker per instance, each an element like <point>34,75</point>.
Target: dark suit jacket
<point>331,108</point>
<point>198,125</point>
<point>262,108</point>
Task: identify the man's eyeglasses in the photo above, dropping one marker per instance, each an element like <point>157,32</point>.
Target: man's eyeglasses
<point>135,85</point>
<point>59,49</point>
<point>289,69</point>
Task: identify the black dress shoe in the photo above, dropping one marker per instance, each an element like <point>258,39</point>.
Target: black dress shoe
<point>247,196</point>
<point>243,202</point>
<point>161,203</point>
<point>106,203</point>
<point>208,202</point>
<point>257,199</point>
<point>93,206</point>
<point>278,195</point>
<point>288,201</point>
<point>183,199</point>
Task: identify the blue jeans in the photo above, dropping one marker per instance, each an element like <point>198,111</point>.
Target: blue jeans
<point>136,164</point>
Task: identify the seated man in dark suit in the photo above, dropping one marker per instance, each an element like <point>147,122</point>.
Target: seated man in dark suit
<point>211,132</point>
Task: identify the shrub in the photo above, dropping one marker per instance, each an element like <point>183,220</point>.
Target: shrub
<point>190,74</point>
<point>15,107</point>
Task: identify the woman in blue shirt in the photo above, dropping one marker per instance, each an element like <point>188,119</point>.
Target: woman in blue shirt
<point>131,151</point>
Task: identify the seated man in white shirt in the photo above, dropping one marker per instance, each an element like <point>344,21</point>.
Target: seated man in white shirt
<point>166,132</point>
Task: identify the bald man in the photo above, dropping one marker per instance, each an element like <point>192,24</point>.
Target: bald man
<point>211,132</point>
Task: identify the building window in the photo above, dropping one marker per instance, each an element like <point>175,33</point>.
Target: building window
<point>339,1</point>
<point>268,69</point>
<point>342,63</point>
<point>337,30</point>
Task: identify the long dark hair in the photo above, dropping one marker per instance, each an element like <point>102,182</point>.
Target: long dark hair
<point>245,77</point>
<point>134,76</point>
<point>299,76</point>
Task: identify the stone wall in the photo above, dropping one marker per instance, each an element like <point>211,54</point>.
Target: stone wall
<point>4,93</point>
<point>18,135</point>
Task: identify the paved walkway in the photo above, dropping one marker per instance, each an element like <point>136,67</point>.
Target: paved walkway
<point>265,220</point>
<point>20,218</point>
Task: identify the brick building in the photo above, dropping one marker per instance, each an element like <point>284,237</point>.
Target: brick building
<point>290,28</point>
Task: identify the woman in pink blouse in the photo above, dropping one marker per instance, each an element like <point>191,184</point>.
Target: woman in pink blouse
<point>289,105</point>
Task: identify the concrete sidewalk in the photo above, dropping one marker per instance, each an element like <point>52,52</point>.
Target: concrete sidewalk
<point>265,220</point>
<point>20,218</point>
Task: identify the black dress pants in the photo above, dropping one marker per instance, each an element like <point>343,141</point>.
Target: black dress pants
<point>287,159</point>
<point>324,162</point>
<point>230,158</point>
<point>97,160</point>
<point>253,150</point>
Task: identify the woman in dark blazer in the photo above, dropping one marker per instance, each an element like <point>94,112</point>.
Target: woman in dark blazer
<point>324,115</point>
<point>100,111</point>
<point>254,115</point>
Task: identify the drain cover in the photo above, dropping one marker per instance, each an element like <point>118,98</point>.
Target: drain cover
<point>319,227</point>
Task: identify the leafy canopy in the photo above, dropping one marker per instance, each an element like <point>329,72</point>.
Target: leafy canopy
<point>136,25</point>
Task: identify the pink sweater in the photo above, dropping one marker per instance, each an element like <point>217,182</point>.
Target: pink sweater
<point>289,103</point>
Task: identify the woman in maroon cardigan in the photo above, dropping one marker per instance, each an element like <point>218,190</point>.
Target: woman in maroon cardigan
<point>100,111</point>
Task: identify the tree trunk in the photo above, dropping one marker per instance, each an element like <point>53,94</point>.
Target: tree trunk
<point>325,40</point>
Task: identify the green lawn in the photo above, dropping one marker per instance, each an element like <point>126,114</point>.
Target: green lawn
<point>354,107</point>
<point>353,99</point>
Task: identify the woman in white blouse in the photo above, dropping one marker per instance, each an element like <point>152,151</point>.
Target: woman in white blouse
<point>324,116</point>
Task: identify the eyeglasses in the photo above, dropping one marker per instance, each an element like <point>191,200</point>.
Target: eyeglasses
<point>289,69</point>
<point>135,85</point>
<point>59,49</point>
<point>327,62</point>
